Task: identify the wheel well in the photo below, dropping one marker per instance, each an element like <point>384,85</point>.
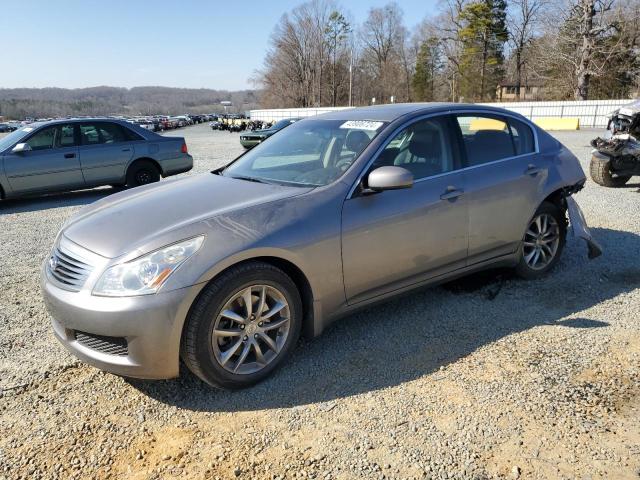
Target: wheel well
<point>157,165</point>
<point>557,198</point>
<point>299,278</point>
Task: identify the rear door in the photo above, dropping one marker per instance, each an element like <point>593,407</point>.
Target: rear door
<point>51,164</point>
<point>504,177</point>
<point>105,151</point>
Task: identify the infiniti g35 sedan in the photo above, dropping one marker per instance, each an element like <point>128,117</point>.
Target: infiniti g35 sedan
<point>85,153</point>
<point>225,270</point>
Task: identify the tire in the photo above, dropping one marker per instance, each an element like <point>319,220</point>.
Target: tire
<point>529,265</point>
<point>142,172</point>
<point>600,169</point>
<point>204,352</point>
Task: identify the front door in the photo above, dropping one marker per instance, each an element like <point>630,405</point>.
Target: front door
<point>397,238</point>
<point>51,164</point>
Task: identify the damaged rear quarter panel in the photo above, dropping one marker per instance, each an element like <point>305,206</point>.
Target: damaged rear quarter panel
<point>564,167</point>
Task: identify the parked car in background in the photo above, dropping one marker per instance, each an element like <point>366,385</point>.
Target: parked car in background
<point>5,128</point>
<point>227,268</point>
<point>251,139</point>
<point>83,153</point>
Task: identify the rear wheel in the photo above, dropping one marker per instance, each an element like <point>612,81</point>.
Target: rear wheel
<point>243,326</point>
<point>543,242</point>
<point>142,172</point>
<point>600,169</point>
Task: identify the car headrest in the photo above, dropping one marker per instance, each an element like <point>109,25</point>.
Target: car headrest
<point>425,144</point>
<point>489,145</point>
<point>356,140</point>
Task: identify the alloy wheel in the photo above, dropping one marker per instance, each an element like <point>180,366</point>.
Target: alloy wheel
<point>251,329</point>
<point>541,241</point>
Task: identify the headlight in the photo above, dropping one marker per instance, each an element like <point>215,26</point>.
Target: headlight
<point>145,275</point>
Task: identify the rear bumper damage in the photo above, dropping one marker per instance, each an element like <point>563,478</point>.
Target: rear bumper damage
<point>580,228</point>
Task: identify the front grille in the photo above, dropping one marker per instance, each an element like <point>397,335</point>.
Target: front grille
<point>102,343</point>
<point>68,270</point>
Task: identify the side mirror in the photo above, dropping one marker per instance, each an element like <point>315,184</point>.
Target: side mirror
<point>21,148</point>
<point>389,178</point>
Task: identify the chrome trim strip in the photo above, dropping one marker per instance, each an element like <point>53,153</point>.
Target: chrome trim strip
<point>391,136</point>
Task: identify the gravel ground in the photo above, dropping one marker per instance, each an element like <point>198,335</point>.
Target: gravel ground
<point>490,377</point>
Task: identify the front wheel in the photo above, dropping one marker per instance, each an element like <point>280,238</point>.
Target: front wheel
<point>243,326</point>
<point>543,242</point>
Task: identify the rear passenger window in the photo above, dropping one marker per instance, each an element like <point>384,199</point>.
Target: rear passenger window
<point>522,137</point>
<point>89,134</point>
<point>424,148</point>
<point>66,136</point>
<point>111,133</point>
<point>486,138</point>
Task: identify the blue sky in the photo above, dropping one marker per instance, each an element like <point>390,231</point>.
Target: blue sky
<point>179,43</point>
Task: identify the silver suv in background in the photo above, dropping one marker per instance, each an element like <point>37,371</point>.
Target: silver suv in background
<point>83,153</point>
<point>333,213</point>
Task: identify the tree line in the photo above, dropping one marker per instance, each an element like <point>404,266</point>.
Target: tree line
<point>20,103</point>
<point>572,49</point>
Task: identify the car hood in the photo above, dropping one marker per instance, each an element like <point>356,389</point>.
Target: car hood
<point>130,220</point>
<point>262,132</point>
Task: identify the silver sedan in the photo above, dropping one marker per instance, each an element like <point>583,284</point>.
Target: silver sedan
<point>226,269</point>
<point>73,154</point>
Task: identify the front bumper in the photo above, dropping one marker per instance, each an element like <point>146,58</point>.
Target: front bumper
<point>150,324</point>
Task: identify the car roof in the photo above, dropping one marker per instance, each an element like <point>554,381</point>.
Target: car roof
<point>74,120</point>
<point>389,113</point>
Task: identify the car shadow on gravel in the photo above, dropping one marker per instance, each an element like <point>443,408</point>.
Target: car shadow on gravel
<point>414,336</point>
<point>55,200</point>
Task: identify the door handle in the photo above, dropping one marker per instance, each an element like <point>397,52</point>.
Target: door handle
<point>126,149</point>
<point>451,193</point>
<point>532,170</point>
<point>69,155</point>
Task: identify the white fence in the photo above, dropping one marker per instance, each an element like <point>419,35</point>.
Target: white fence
<point>275,114</point>
<point>592,113</point>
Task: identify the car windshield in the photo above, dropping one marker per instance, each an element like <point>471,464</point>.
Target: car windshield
<point>281,124</point>
<point>308,153</point>
<point>14,137</point>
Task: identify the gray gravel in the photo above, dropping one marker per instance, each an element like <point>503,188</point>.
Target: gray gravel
<point>486,377</point>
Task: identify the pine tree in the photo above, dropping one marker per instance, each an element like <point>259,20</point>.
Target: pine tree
<point>483,35</point>
<point>428,65</point>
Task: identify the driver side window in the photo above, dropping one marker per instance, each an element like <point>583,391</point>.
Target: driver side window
<point>424,148</point>
<point>43,140</point>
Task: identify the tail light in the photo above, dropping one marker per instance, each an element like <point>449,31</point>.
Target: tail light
<point>184,148</point>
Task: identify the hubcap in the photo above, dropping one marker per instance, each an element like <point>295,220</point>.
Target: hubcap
<point>541,241</point>
<point>251,329</point>
<point>143,177</point>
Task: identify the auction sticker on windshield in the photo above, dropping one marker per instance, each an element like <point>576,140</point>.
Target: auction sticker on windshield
<point>361,125</point>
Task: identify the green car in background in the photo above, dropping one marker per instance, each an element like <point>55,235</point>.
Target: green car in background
<point>251,139</point>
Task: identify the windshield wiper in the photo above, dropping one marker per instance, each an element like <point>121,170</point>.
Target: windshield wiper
<point>248,179</point>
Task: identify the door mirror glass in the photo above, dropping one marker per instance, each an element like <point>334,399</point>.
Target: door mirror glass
<point>389,178</point>
<point>21,148</point>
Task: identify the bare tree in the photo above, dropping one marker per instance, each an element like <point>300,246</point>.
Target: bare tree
<point>337,33</point>
<point>592,26</point>
<point>381,36</point>
<point>523,20</point>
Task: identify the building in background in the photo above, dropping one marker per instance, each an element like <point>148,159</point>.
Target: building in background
<point>507,91</point>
